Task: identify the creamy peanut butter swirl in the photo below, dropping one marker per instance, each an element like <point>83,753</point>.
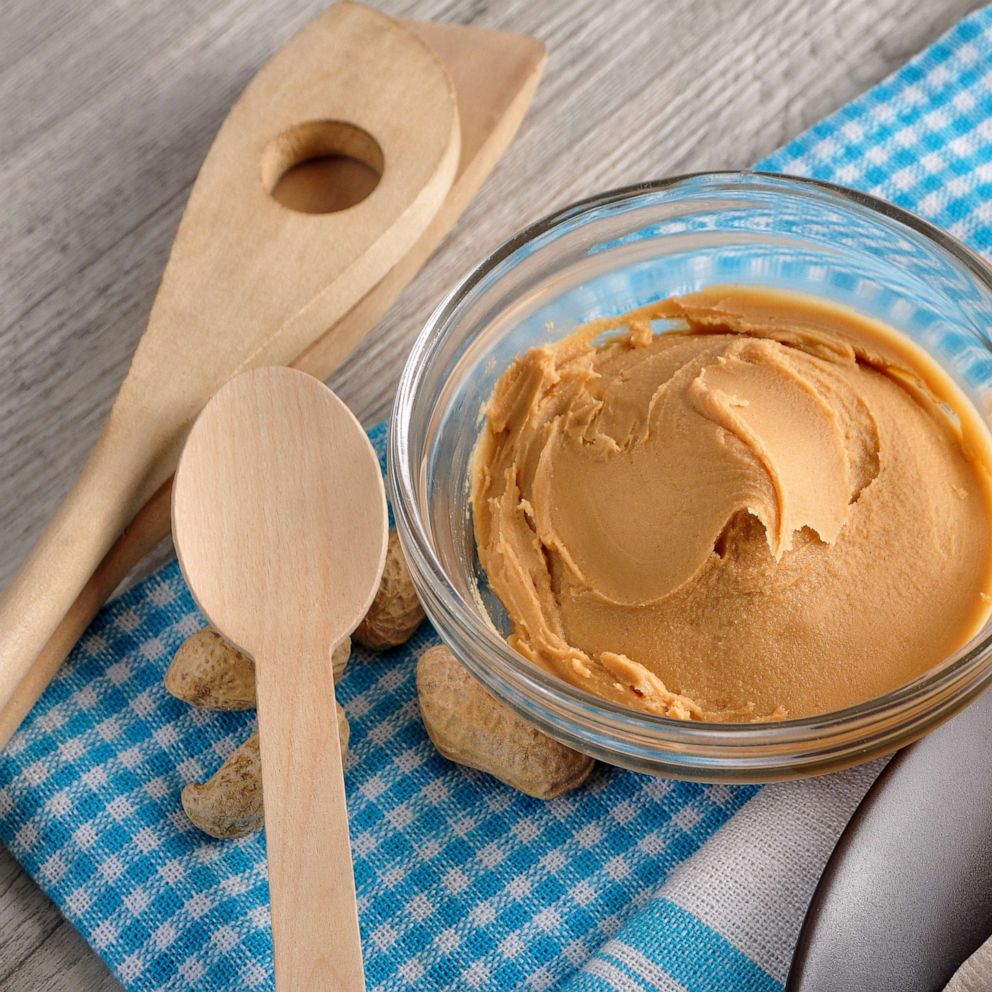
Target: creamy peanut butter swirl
<point>778,508</point>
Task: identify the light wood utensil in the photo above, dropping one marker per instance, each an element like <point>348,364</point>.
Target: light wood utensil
<point>250,282</point>
<point>279,519</point>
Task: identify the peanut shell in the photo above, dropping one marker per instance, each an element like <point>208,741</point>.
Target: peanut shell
<point>230,803</point>
<point>470,726</point>
<point>208,671</point>
<point>395,612</point>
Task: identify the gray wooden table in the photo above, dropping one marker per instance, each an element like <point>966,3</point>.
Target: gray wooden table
<point>107,108</point>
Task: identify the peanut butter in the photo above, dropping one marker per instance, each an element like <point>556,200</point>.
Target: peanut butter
<point>773,509</point>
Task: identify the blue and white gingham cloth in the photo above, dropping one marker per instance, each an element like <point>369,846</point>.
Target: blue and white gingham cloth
<point>630,883</point>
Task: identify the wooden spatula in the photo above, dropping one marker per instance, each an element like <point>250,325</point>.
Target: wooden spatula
<point>494,75</point>
<point>279,519</point>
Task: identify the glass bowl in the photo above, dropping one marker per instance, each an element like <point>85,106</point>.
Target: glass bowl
<point>607,255</point>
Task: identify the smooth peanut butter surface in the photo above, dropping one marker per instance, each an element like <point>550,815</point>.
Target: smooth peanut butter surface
<point>775,508</point>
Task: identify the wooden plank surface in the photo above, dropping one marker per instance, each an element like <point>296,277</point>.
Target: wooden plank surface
<point>107,108</point>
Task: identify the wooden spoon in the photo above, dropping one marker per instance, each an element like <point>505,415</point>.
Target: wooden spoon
<point>249,281</point>
<point>279,519</point>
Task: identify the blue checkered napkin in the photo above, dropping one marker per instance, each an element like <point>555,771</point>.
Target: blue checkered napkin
<point>462,882</point>
<point>631,883</point>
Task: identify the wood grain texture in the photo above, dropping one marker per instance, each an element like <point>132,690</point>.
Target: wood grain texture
<point>107,109</point>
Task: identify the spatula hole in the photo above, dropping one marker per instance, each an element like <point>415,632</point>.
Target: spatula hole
<point>320,167</point>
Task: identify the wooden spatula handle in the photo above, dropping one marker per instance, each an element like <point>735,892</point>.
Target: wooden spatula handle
<point>311,881</point>
<point>139,539</point>
<point>114,484</point>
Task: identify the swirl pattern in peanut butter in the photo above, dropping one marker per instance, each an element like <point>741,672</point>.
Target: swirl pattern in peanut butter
<point>776,508</point>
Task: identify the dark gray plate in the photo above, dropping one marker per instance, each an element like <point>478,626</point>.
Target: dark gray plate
<point>907,893</point>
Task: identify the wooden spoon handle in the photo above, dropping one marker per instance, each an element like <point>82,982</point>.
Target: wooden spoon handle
<point>311,880</point>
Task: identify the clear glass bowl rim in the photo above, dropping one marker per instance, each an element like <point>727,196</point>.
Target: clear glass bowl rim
<point>971,665</point>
